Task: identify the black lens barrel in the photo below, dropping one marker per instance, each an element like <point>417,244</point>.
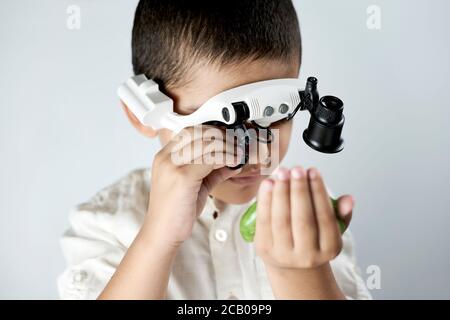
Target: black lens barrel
<point>325,126</point>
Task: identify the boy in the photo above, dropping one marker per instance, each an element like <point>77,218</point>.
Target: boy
<point>173,231</point>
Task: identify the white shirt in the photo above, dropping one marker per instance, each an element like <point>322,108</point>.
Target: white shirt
<point>215,263</point>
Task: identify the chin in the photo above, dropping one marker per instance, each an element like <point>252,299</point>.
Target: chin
<point>230,193</point>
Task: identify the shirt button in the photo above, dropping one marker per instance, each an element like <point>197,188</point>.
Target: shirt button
<point>221,235</point>
<point>79,276</point>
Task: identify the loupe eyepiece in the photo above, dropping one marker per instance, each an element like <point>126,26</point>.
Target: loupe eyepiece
<point>243,142</point>
<point>325,125</point>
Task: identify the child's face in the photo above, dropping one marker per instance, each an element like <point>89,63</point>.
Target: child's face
<point>207,81</point>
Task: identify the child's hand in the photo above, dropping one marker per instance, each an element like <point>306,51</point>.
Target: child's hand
<point>179,190</point>
<point>296,225</point>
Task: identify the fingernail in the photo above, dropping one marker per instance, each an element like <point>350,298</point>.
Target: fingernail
<point>297,172</point>
<point>266,185</point>
<point>353,201</point>
<point>283,174</point>
<point>342,213</point>
<point>312,173</point>
<point>274,172</point>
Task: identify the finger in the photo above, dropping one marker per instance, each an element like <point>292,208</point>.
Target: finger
<point>329,234</point>
<point>345,205</point>
<point>197,139</point>
<point>206,157</point>
<point>281,210</point>
<point>219,175</point>
<point>304,225</point>
<point>216,152</point>
<point>207,152</point>
<point>263,231</point>
<point>199,171</point>
<point>192,134</point>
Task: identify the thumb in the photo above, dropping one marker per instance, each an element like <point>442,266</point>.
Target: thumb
<point>345,206</point>
<point>219,175</point>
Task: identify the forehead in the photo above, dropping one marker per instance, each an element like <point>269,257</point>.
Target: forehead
<point>208,80</point>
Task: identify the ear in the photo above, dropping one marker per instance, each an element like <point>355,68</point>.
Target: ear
<point>146,131</point>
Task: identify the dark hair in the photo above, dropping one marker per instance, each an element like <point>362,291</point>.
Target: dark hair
<point>170,36</point>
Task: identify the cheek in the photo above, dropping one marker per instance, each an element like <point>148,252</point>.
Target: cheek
<point>284,132</point>
<point>233,193</point>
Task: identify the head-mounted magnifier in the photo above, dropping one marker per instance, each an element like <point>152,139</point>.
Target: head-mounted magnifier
<point>256,104</point>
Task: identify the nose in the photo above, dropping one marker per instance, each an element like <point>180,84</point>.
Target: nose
<point>259,153</point>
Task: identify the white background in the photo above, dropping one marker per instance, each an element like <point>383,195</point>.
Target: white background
<point>64,137</point>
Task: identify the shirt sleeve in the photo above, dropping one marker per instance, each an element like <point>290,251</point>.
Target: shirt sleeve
<point>347,272</point>
<point>345,268</point>
<point>100,231</point>
<point>92,254</point>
